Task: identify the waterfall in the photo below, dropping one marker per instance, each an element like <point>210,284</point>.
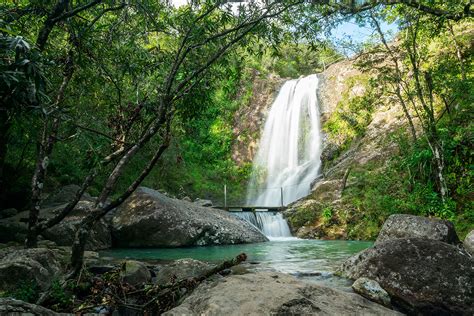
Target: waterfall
<point>271,224</point>
<point>288,157</point>
<point>249,217</point>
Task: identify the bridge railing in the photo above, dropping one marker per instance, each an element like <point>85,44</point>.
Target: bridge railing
<point>242,198</point>
<point>280,196</point>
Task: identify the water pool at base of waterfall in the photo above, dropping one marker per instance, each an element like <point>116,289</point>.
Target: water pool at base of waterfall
<point>313,260</point>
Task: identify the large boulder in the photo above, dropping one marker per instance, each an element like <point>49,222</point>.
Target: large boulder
<point>135,273</point>
<point>9,212</point>
<point>12,307</point>
<point>65,195</point>
<point>266,293</point>
<point>15,228</point>
<point>35,267</point>
<point>151,219</point>
<point>63,233</point>
<point>411,226</point>
<point>422,276</point>
<point>469,243</point>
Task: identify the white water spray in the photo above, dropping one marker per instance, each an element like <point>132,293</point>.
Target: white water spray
<point>273,225</point>
<point>288,158</point>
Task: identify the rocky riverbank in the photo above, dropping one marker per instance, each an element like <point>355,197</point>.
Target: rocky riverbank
<point>233,290</point>
<point>417,266</point>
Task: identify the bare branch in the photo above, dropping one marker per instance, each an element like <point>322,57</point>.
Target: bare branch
<point>101,14</point>
<point>75,11</point>
<point>98,133</point>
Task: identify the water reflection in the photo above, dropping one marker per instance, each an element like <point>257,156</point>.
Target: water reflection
<point>291,255</point>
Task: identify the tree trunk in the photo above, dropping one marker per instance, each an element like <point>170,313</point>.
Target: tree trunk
<point>37,184</point>
<point>439,163</point>
<point>46,146</point>
<point>458,52</point>
<point>344,180</point>
<point>48,25</point>
<point>405,111</point>
<point>79,245</point>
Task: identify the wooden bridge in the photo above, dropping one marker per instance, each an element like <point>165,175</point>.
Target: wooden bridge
<point>246,208</point>
<point>233,208</point>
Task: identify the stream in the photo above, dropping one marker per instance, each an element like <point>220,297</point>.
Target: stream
<point>312,260</point>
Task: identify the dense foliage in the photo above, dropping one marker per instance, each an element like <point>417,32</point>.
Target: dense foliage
<point>410,182</point>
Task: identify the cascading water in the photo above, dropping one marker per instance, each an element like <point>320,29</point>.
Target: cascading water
<point>270,223</point>
<point>273,224</point>
<point>249,217</point>
<point>288,157</point>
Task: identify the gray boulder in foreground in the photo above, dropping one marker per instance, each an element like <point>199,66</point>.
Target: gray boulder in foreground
<point>411,226</point>
<point>10,306</point>
<point>28,267</point>
<point>267,293</point>
<point>151,219</point>
<point>469,243</point>
<point>135,273</point>
<point>14,228</point>
<point>422,276</point>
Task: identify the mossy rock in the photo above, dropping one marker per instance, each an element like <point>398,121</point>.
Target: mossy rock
<point>135,273</point>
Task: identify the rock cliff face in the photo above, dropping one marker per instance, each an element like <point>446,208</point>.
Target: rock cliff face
<point>338,84</point>
<point>343,78</point>
<point>332,84</point>
<point>250,118</point>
